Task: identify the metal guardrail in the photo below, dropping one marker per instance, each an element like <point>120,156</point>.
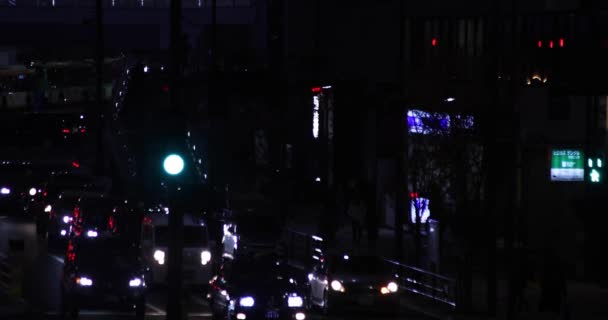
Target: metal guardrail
<point>426,284</point>
<point>125,4</point>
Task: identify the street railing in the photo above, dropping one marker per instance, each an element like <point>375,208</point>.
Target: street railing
<point>126,4</point>
<point>303,249</point>
<point>426,284</point>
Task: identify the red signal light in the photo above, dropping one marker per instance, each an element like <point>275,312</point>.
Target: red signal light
<point>561,42</point>
<point>551,44</point>
<point>65,130</point>
<point>413,195</point>
<point>316,89</point>
<point>75,164</point>
<point>434,42</point>
<point>540,44</point>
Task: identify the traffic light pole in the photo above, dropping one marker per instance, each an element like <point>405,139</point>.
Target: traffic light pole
<point>174,303</point>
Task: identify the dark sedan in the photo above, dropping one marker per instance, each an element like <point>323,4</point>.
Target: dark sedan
<point>255,287</point>
<point>102,273</point>
<point>345,280</point>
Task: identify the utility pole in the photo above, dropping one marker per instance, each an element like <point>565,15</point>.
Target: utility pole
<point>402,144</point>
<point>174,293</point>
<point>99,62</point>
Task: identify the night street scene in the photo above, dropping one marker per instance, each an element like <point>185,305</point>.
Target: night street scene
<point>303,159</point>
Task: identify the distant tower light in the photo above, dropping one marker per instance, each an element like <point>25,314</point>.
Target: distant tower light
<point>561,42</point>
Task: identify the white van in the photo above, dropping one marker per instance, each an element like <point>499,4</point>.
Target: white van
<point>196,261</point>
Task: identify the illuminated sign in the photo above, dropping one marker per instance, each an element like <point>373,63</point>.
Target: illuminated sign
<point>567,165</point>
<point>315,116</point>
<point>422,122</point>
<point>420,205</point>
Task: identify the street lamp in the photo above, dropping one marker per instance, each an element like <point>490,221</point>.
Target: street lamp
<point>173,164</point>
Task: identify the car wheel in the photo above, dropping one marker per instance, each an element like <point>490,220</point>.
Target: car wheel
<point>140,309</point>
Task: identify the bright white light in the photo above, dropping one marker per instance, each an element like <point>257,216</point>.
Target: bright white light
<point>392,287</point>
<point>205,257</point>
<point>326,87</point>
<point>337,286</point>
<point>135,282</point>
<point>300,316</point>
<point>5,191</point>
<point>48,208</point>
<point>318,179</point>
<point>82,116</point>
<point>450,99</point>
<point>67,219</point>
<point>63,233</point>
<point>241,316</point>
<point>188,134</point>
<point>159,256</point>
<point>590,163</point>
<point>247,302</point>
<point>33,192</point>
<point>317,238</point>
<point>84,281</point>
<point>295,302</point>
<point>173,164</point>
<point>166,209</point>
<point>346,257</point>
<point>599,163</point>
<point>194,148</point>
<point>310,277</point>
<point>92,234</point>
<point>384,290</point>
<point>146,67</point>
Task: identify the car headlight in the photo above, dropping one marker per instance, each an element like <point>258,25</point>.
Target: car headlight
<point>392,287</point>
<point>135,282</point>
<point>205,257</point>
<point>67,219</point>
<point>33,191</point>
<point>92,234</point>
<point>84,281</point>
<point>246,302</point>
<point>159,256</point>
<point>5,190</point>
<point>295,302</point>
<point>48,208</point>
<point>337,286</point>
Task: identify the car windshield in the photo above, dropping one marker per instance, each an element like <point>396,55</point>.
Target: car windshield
<point>194,236</point>
<point>257,270</point>
<point>107,253</point>
<point>345,264</point>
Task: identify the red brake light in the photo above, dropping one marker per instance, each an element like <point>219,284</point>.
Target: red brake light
<point>540,44</point>
<point>551,44</point>
<point>65,130</point>
<point>75,164</point>
<point>561,42</point>
<point>316,89</point>
<point>83,130</point>
<point>434,42</point>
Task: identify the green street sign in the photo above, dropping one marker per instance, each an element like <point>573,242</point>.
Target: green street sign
<point>567,165</point>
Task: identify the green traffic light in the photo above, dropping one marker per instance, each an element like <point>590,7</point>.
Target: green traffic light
<point>173,164</point>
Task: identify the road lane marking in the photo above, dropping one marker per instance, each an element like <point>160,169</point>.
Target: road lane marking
<point>56,258</point>
<point>199,314</point>
<point>198,300</point>
<point>156,309</point>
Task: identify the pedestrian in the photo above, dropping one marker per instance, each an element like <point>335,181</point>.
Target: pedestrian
<point>356,212</point>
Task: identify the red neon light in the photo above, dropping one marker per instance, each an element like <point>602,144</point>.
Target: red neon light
<point>561,42</point>
<point>65,130</point>
<point>551,44</point>
<point>75,164</point>
<point>540,44</point>
<point>434,42</point>
<point>316,89</point>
